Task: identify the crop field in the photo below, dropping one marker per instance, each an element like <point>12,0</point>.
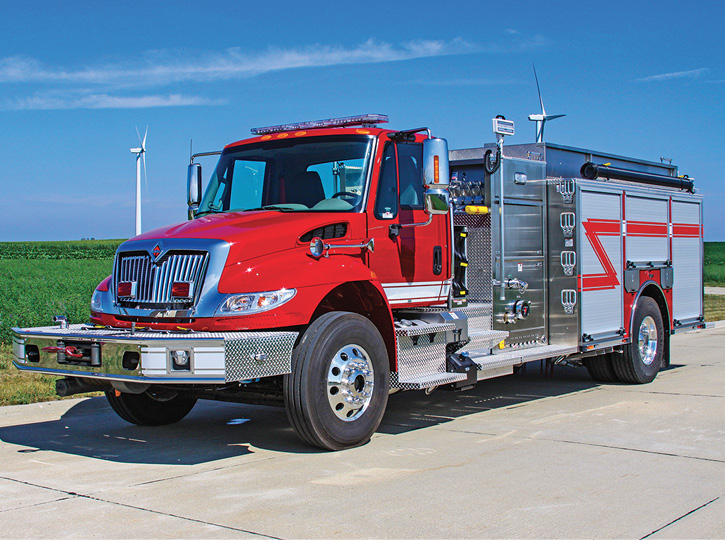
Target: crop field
<point>41,279</point>
<point>714,273</point>
<point>37,281</point>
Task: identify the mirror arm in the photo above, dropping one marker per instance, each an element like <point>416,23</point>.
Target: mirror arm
<point>202,154</point>
<point>394,229</point>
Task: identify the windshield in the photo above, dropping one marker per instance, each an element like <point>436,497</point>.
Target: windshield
<point>326,174</point>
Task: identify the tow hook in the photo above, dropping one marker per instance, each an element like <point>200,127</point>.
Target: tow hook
<point>69,350</point>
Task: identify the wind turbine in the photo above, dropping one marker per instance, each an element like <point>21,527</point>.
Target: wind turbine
<point>139,152</point>
<point>541,119</point>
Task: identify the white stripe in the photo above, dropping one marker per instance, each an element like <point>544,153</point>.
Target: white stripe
<point>412,300</point>
<point>413,283</point>
<point>413,292</point>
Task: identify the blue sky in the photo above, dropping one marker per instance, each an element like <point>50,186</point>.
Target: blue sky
<point>643,79</point>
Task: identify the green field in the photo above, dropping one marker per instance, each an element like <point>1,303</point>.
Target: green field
<point>714,273</point>
<point>41,279</point>
<point>37,281</point>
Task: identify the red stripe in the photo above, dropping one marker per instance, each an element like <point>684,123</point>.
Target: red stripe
<point>644,228</point>
<point>684,230</point>
<point>594,228</point>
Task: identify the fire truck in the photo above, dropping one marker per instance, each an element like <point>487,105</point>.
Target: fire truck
<point>329,264</point>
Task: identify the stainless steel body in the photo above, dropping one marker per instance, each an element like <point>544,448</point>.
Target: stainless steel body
<point>563,235</point>
<point>593,239</point>
<point>523,246</point>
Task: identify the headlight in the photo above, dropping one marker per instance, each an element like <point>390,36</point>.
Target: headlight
<point>244,304</point>
<point>96,301</point>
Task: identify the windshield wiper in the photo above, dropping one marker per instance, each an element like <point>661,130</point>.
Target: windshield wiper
<point>270,207</point>
<point>205,212</point>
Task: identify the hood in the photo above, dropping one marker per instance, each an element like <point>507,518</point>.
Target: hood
<point>258,233</point>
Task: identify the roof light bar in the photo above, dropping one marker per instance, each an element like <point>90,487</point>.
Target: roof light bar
<point>367,120</point>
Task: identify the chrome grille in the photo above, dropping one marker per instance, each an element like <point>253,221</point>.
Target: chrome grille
<point>154,280</point>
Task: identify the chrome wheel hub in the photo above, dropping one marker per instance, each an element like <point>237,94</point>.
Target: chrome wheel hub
<point>647,340</point>
<point>350,381</point>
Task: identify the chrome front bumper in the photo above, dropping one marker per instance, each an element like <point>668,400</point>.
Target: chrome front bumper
<point>148,356</point>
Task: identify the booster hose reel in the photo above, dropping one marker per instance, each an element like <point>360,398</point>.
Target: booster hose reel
<point>491,165</point>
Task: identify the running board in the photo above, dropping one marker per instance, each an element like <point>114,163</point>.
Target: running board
<point>515,357</point>
<point>425,381</point>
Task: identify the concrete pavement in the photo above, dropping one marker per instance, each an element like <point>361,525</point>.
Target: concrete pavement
<point>537,454</point>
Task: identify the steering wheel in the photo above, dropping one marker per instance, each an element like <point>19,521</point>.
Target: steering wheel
<point>354,197</point>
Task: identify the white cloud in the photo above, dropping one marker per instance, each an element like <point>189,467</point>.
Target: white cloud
<point>691,74</point>
<point>164,67</point>
<point>107,86</point>
<point>103,101</point>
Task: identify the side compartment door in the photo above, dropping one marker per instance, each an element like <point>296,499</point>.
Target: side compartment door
<point>600,246</point>
<point>687,260</point>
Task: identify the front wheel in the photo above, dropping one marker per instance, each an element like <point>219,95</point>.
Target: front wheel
<point>642,358</point>
<point>338,389</point>
<point>150,408</point>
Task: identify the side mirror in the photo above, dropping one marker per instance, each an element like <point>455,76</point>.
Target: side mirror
<point>435,163</point>
<point>436,176</point>
<point>193,188</point>
<point>436,201</point>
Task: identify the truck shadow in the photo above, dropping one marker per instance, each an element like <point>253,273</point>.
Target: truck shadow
<point>215,431</point>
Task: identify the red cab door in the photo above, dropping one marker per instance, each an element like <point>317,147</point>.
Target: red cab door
<point>412,262</point>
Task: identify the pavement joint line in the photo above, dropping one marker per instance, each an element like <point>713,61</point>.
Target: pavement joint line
<point>24,508</point>
<point>668,454</point>
<point>684,394</point>
<point>446,427</point>
<point>73,494</point>
<point>679,518</point>
<point>194,473</point>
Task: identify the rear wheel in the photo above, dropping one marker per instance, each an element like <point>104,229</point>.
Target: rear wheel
<point>338,389</point>
<point>642,358</point>
<point>150,408</point>
<point>601,369</point>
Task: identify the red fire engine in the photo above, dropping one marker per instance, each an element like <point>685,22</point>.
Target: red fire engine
<point>330,263</point>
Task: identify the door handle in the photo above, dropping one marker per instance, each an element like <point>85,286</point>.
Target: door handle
<point>437,260</point>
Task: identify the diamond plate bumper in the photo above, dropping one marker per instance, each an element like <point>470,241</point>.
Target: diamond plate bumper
<point>148,356</point>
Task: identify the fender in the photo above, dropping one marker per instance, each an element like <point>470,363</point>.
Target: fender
<point>661,298</point>
<point>662,302</point>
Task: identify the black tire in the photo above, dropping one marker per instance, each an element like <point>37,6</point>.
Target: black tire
<point>601,369</point>
<point>150,408</point>
<point>638,363</point>
<point>353,343</point>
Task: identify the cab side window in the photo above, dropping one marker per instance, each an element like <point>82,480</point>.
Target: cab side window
<point>410,159</point>
<point>386,202</point>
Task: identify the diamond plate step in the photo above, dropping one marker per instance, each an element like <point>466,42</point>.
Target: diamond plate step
<point>484,341</point>
<point>425,381</point>
<point>419,328</point>
<point>422,354</point>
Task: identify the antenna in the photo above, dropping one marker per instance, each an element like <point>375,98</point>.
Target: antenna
<point>541,119</point>
<point>139,153</point>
